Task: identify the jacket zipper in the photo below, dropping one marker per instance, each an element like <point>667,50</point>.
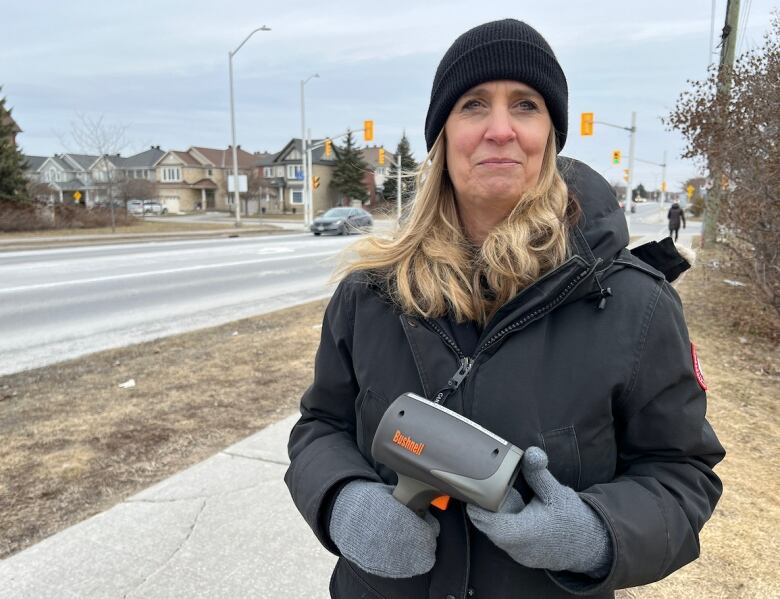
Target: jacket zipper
<point>466,363</point>
<point>538,312</point>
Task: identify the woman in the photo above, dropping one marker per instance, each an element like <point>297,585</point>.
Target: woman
<point>512,273</point>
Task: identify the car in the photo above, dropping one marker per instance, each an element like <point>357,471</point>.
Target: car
<point>139,207</point>
<point>155,208</point>
<point>135,207</point>
<point>342,221</point>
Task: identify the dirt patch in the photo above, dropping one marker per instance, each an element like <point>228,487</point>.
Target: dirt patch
<point>74,443</point>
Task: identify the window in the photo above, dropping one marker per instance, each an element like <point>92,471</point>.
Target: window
<point>296,197</point>
<point>280,171</point>
<point>380,170</point>
<point>209,172</point>
<point>171,173</point>
<point>295,172</point>
<point>268,171</point>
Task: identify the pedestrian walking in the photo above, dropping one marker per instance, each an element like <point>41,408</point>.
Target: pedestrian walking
<point>676,215</point>
<point>511,272</point>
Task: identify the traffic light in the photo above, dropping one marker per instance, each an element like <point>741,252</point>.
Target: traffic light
<point>586,124</point>
<point>625,174</point>
<point>328,148</point>
<point>616,157</point>
<point>663,186</point>
<point>368,130</point>
<point>381,155</point>
<point>315,182</point>
<point>689,190</point>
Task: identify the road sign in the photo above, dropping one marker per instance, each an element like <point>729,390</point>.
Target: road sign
<point>241,183</point>
<point>77,196</point>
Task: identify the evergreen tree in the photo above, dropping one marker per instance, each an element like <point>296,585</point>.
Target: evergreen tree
<point>13,184</point>
<point>350,172</point>
<point>403,154</point>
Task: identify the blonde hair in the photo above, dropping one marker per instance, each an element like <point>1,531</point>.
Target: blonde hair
<point>429,267</point>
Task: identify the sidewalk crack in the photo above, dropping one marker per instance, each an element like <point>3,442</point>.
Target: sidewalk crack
<point>164,565</point>
<point>257,459</point>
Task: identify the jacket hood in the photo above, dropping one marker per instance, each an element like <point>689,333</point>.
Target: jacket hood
<point>602,231</point>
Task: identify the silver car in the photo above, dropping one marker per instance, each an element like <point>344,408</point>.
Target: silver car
<point>342,221</point>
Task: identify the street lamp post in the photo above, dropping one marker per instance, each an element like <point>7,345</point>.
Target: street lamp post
<point>306,184</point>
<point>236,200</point>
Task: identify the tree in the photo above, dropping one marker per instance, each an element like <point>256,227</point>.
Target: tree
<point>349,172</point>
<point>696,202</point>
<point>639,191</point>
<point>93,136</point>
<point>735,130</point>
<point>13,184</point>
<point>135,189</point>
<point>403,154</point>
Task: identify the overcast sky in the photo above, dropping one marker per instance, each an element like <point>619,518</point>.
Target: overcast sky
<point>162,68</point>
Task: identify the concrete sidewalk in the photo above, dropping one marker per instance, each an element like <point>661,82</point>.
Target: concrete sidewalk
<point>223,528</point>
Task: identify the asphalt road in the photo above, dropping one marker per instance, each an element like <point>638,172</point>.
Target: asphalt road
<point>58,304</point>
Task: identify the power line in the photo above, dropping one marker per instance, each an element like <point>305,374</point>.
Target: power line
<point>748,6</point>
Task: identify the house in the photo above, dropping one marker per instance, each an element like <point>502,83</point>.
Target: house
<point>82,178</point>
<point>285,174</point>
<point>375,182</point>
<point>197,178</point>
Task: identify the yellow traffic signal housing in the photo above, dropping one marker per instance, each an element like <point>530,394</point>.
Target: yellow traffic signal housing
<point>586,124</point>
<point>328,148</point>
<point>315,182</point>
<point>381,155</point>
<point>616,157</point>
<point>625,174</point>
<point>368,130</point>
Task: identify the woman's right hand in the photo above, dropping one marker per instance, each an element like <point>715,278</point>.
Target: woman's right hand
<point>379,534</point>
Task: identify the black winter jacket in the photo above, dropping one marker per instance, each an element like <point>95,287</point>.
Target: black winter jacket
<point>610,394</point>
<point>675,215</point>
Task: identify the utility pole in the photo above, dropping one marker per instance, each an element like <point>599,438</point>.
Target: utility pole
<point>310,195</point>
<point>629,183</point>
<point>728,47</point>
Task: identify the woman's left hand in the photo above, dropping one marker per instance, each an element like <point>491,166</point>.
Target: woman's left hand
<point>556,531</point>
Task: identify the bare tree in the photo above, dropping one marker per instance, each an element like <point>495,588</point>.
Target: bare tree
<point>91,135</point>
<point>135,189</point>
<point>738,134</point>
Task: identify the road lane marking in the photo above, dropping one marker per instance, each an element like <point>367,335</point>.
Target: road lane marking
<point>136,275</point>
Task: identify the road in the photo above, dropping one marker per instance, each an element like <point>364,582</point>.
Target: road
<point>58,304</point>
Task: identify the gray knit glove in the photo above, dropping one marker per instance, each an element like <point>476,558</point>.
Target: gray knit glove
<point>556,531</point>
<point>379,534</point>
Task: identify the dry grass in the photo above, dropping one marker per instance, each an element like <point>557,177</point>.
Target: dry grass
<point>74,444</point>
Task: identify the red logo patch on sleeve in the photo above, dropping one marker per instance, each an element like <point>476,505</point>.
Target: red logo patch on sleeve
<point>697,368</point>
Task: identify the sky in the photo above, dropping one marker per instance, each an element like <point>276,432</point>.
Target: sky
<point>161,69</point>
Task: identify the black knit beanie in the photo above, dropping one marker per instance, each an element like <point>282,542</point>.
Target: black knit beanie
<point>507,49</point>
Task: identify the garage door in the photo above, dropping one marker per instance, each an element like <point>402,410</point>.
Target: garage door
<point>171,203</point>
